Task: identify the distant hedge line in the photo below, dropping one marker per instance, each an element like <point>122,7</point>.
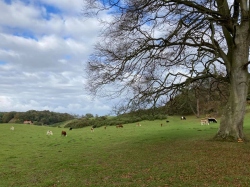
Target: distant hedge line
<point>104,121</point>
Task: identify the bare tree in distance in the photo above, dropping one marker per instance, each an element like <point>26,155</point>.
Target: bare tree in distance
<point>151,49</point>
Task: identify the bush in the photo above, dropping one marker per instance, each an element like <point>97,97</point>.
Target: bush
<point>133,117</point>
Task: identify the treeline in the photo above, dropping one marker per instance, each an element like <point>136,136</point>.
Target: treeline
<point>197,100</point>
<point>188,102</point>
<point>37,117</point>
<point>132,117</point>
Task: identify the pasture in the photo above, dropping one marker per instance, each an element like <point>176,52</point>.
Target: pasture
<point>179,153</point>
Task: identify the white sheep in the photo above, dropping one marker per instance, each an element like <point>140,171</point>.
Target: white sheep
<point>49,132</point>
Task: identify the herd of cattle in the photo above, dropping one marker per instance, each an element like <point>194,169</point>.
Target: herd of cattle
<point>204,121</point>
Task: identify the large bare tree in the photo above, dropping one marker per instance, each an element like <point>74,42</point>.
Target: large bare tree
<point>151,49</point>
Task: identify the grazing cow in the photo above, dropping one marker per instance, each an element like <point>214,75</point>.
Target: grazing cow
<point>92,129</point>
<point>49,132</point>
<point>63,133</point>
<point>28,122</point>
<point>167,121</point>
<point>161,124</point>
<point>204,122</point>
<point>212,120</point>
<point>183,118</point>
<point>12,128</point>
<point>70,128</point>
<point>119,126</point>
<point>240,140</point>
<point>138,124</point>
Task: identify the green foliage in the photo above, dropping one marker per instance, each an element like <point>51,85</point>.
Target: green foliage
<point>180,105</point>
<point>7,116</point>
<point>88,115</point>
<point>37,123</point>
<point>208,97</point>
<point>133,117</point>
<point>37,117</point>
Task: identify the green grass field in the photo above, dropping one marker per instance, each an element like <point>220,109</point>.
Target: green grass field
<point>179,153</point>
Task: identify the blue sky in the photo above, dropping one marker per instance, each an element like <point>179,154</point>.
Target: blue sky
<point>44,47</point>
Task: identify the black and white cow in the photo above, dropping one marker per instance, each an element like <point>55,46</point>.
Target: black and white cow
<point>183,118</point>
<point>212,120</point>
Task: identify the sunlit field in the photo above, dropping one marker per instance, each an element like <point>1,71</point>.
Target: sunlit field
<point>180,153</point>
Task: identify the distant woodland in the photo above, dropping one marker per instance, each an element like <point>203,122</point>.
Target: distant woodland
<point>45,117</point>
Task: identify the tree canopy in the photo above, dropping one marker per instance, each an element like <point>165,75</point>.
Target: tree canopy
<point>153,49</point>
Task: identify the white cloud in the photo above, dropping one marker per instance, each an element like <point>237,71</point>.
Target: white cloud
<point>44,47</point>
<point>73,7</point>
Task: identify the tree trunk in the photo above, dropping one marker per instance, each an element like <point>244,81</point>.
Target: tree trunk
<point>198,107</point>
<point>231,124</point>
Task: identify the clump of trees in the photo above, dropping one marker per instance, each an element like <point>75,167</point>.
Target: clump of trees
<point>201,98</point>
<point>45,117</point>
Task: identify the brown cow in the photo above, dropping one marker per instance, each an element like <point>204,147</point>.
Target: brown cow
<point>119,126</point>
<point>138,124</point>
<point>64,133</point>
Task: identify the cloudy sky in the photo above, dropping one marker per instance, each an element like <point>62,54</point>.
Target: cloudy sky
<point>44,45</point>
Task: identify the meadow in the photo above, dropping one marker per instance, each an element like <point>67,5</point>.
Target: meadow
<point>180,153</point>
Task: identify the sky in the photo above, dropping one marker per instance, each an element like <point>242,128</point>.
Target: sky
<point>44,47</point>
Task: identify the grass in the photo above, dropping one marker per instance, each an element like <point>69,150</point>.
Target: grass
<point>179,153</point>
